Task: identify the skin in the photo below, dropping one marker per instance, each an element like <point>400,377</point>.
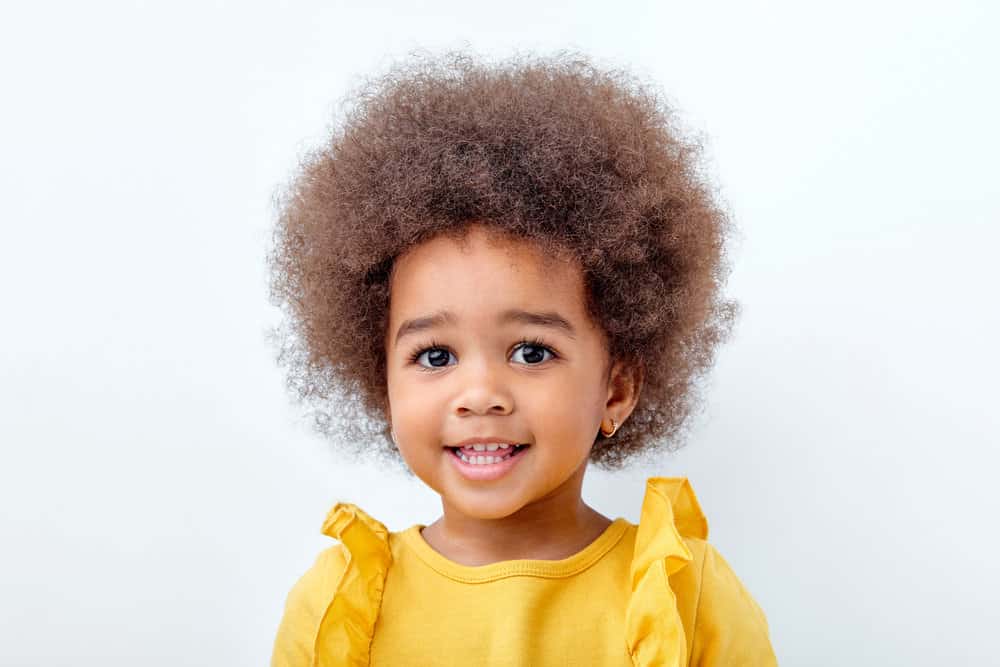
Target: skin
<point>480,381</point>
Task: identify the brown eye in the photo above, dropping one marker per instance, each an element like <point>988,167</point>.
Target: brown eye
<point>437,357</point>
<point>533,354</point>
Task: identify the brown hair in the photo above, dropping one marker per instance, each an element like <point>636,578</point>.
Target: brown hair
<point>554,149</point>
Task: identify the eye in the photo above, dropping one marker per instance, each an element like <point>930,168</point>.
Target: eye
<point>437,357</point>
<point>534,352</point>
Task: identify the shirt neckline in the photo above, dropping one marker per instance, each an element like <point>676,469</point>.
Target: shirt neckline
<point>551,569</point>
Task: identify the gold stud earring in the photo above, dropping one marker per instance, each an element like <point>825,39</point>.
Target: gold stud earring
<point>614,427</point>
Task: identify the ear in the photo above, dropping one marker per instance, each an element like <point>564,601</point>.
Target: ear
<point>624,385</point>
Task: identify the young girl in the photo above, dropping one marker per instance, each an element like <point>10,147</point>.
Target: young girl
<point>515,270</point>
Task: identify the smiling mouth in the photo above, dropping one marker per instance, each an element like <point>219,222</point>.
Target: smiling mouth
<point>486,457</point>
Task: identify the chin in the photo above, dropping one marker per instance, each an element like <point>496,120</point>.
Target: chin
<point>489,507</point>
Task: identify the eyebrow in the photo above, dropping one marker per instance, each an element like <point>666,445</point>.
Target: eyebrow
<point>550,319</point>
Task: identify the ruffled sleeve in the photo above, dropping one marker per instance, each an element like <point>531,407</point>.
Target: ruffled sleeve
<point>330,613</point>
<point>654,630</point>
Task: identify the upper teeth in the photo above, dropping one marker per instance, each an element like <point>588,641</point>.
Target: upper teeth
<point>489,447</point>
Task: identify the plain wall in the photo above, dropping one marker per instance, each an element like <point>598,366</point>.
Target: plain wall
<point>160,492</point>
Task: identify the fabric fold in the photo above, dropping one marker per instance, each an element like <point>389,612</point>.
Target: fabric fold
<point>653,629</point>
<point>345,633</point>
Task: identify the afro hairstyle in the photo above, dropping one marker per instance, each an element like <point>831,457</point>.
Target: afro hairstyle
<point>553,149</point>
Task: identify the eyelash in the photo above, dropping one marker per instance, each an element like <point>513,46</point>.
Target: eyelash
<point>434,345</point>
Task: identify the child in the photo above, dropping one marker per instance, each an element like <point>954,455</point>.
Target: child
<point>515,269</point>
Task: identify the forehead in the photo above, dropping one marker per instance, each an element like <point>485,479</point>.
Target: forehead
<point>484,270</point>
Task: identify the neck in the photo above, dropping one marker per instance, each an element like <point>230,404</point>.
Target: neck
<point>553,527</point>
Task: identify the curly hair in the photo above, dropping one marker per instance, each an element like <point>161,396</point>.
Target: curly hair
<point>585,160</point>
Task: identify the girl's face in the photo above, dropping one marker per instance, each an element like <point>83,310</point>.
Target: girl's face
<point>491,339</point>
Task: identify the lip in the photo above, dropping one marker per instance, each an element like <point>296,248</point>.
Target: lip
<point>489,471</point>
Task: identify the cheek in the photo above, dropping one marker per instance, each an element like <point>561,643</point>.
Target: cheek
<point>563,413</point>
<point>417,410</point>
<point>566,413</point>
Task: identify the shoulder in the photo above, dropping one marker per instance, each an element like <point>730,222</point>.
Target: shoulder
<point>305,606</point>
<point>723,622</point>
<point>332,608</point>
<point>686,599</point>
<point>320,580</point>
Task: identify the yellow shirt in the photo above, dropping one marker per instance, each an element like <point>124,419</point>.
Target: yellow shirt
<point>655,593</point>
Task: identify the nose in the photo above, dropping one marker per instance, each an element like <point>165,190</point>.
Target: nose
<point>483,391</point>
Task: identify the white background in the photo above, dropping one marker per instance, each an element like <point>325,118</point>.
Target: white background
<point>160,492</point>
